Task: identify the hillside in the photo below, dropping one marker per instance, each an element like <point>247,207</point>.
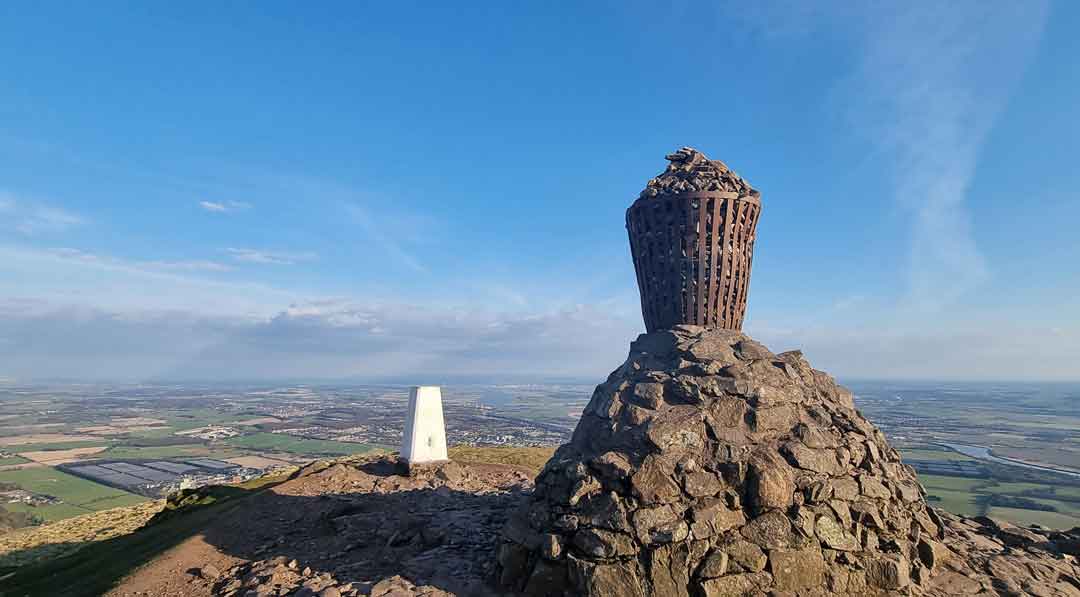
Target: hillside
<point>43,560</point>
<point>357,526</point>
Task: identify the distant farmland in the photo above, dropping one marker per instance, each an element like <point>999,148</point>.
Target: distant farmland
<point>297,445</point>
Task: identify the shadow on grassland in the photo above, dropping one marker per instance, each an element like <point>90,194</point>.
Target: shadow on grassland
<point>97,566</point>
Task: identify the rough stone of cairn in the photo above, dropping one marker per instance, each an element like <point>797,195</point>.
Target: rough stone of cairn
<point>691,171</point>
<point>706,465</point>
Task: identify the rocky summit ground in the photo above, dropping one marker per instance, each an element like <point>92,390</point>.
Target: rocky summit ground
<point>360,526</point>
<point>354,527</point>
<point>708,465</point>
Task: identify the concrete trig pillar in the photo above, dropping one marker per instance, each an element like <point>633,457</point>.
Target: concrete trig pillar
<point>425,433</point>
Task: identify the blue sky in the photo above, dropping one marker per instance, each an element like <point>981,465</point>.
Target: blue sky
<point>424,191</point>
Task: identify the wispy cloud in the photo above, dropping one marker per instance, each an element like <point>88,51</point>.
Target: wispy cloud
<point>931,82</point>
<point>195,265</point>
<point>224,206</point>
<point>376,232</point>
<point>269,257</point>
<point>928,83</point>
<point>190,266</point>
<point>31,218</point>
<point>70,276</point>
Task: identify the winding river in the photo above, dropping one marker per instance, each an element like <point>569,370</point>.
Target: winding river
<point>983,453</point>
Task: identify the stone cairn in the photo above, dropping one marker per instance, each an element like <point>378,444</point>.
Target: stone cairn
<point>708,466</point>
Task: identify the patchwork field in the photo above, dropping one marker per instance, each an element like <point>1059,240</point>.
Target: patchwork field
<point>45,439</point>
<point>298,445</point>
<point>54,457</point>
<point>79,496</point>
<point>1053,503</point>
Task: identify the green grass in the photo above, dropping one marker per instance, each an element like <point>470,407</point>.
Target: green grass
<point>50,512</point>
<point>957,502</point>
<point>55,446</point>
<point>155,452</point>
<point>951,483</point>
<point>1063,508</point>
<point>1055,520</point>
<point>79,495</point>
<point>192,419</point>
<point>532,458</point>
<point>969,497</point>
<point>13,460</point>
<point>297,445</point>
<point>1017,488</point>
<point>116,501</point>
<point>1073,492</point>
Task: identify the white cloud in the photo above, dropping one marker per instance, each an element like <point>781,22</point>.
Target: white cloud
<point>376,231</point>
<point>67,276</point>
<point>224,206</point>
<point>269,257</point>
<point>326,339</point>
<point>964,351</point>
<point>31,218</point>
<point>928,83</point>
<point>342,339</point>
<point>190,266</point>
<point>71,254</point>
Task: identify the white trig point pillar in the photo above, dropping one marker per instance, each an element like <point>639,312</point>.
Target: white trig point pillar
<point>425,433</point>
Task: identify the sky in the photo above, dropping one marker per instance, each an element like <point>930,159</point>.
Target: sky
<point>417,191</point>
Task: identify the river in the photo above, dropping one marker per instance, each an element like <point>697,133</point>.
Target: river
<point>983,453</point>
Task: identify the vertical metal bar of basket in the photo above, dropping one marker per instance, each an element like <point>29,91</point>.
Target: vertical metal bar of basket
<point>716,207</point>
<point>701,314</point>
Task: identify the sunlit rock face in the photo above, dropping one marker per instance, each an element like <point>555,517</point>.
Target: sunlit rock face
<point>708,465</point>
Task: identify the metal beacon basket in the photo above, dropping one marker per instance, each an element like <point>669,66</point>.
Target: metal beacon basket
<point>692,253</point>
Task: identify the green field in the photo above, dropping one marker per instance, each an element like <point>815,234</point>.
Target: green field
<point>973,497</point>
<point>79,495</point>
<point>1053,520</point>
<point>297,445</point>
<point>951,483</point>
<point>13,460</point>
<point>92,572</point>
<point>969,497</point>
<point>55,446</point>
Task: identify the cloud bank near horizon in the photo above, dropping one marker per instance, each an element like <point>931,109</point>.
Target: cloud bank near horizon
<point>923,93</point>
<point>340,340</point>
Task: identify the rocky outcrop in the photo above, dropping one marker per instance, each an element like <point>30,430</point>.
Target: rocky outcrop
<point>706,465</point>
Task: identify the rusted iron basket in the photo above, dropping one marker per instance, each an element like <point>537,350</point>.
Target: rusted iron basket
<point>692,253</point>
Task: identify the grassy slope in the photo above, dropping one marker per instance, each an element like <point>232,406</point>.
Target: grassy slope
<point>94,571</point>
<point>89,572</point>
<point>533,458</point>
